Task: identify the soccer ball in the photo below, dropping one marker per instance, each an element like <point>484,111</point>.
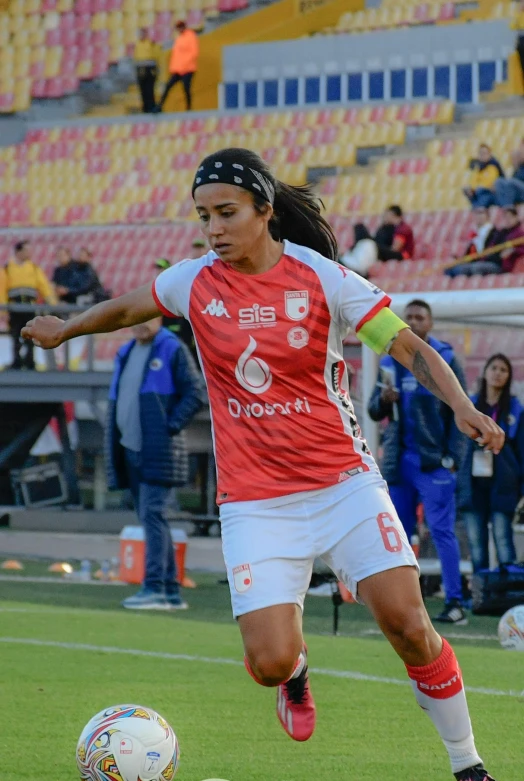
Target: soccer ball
<point>511,629</point>
<point>127,743</point>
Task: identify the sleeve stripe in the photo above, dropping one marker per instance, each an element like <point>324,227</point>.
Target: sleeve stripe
<point>159,304</point>
<point>385,301</point>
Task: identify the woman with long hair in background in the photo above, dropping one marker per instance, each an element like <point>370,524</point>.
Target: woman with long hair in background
<point>489,489</point>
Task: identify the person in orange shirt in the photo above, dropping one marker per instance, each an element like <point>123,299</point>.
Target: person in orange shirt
<point>183,63</point>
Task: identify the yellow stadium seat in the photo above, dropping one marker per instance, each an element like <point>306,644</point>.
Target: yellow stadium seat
<point>146,18</point>
<point>53,58</point>
<point>37,54</point>
<point>131,21</point>
<point>99,21</point>
<point>22,99</point>
<point>446,113</point>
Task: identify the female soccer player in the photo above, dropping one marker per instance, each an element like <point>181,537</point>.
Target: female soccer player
<point>269,309</point>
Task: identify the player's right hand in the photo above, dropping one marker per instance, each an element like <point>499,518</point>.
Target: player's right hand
<point>389,395</point>
<point>44,331</point>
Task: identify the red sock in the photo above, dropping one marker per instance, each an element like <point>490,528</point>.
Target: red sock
<point>439,691</point>
<point>440,679</point>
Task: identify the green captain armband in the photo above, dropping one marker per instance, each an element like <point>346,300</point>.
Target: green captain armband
<point>379,332</point>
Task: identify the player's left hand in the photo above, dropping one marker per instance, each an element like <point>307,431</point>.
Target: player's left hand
<point>479,427</point>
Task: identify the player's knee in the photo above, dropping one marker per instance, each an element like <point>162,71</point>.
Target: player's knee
<point>413,632</point>
<point>272,669</point>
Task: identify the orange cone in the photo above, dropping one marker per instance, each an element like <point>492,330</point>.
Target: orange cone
<point>61,566</point>
<point>12,564</point>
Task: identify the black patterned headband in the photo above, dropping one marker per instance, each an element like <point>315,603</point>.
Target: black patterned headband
<point>234,173</point>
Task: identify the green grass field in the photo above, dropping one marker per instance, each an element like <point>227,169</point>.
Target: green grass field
<point>67,651</point>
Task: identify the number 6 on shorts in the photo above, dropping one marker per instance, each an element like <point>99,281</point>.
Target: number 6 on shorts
<point>390,534</point>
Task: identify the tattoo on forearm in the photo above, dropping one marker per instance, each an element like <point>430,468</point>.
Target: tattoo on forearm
<point>423,374</point>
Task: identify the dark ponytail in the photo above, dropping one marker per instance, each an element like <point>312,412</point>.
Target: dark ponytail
<point>297,218</point>
<point>296,215</point>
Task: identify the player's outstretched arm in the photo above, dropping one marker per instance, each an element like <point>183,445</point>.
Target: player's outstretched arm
<point>434,374</point>
<point>136,307</point>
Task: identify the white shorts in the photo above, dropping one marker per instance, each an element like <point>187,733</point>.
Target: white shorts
<point>269,551</point>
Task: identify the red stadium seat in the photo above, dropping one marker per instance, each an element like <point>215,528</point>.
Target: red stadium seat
<point>447,12</point>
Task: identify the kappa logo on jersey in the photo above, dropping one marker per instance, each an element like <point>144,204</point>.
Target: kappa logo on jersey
<point>257,316</point>
<point>253,374</point>
<point>216,309</point>
<point>297,304</point>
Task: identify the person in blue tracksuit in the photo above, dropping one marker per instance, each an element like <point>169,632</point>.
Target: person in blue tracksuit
<point>489,489</point>
<point>155,392</point>
<point>423,449</point>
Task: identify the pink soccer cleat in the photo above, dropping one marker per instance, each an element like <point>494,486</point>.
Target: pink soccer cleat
<point>296,707</point>
<point>475,773</point>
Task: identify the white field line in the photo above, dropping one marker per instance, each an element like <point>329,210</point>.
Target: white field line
<point>347,674</point>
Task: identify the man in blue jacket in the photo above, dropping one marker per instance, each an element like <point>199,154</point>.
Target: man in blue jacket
<point>423,449</point>
<point>156,390</point>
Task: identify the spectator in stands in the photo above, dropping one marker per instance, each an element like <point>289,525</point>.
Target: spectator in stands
<point>422,451</point>
<point>489,488</point>
<point>403,247</point>
<point>23,282</point>
<point>63,275</point>
<point>155,393</point>
<point>510,192</point>
<point>146,54</point>
<point>361,257</point>
<point>514,233</point>
<point>90,289</point>
<point>76,281</point>
<point>501,261</point>
<point>183,63</point>
<point>485,170</point>
<point>485,235</point>
<point>394,238</point>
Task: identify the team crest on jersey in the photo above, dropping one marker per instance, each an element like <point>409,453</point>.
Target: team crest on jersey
<point>297,337</point>
<point>297,304</point>
<point>242,578</point>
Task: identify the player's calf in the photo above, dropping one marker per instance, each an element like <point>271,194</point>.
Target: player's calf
<point>439,691</point>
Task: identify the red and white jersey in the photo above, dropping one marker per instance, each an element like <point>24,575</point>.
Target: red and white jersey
<point>270,346</point>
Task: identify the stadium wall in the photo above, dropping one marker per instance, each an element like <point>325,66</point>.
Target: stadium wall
<point>280,21</point>
<point>449,62</point>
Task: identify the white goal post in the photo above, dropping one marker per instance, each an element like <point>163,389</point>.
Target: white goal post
<point>499,306</point>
